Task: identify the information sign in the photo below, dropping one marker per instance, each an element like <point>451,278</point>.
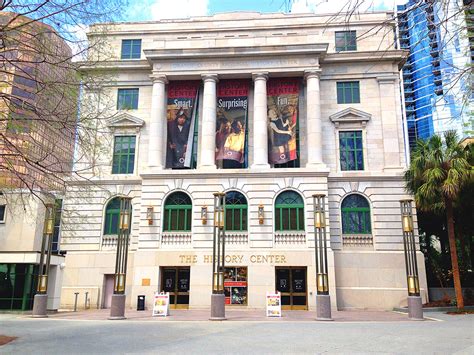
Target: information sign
<point>161,304</point>
<point>273,303</point>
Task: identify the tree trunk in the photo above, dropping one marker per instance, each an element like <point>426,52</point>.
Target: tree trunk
<point>453,252</point>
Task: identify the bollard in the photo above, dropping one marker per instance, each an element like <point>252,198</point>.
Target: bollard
<point>85,300</point>
<point>75,301</point>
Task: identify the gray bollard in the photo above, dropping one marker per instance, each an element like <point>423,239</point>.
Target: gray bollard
<point>85,301</point>
<point>75,301</point>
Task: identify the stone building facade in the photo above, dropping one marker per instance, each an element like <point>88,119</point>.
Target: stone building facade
<point>349,146</point>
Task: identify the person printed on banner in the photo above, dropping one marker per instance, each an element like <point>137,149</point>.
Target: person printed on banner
<point>289,114</point>
<point>282,132</point>
<point>235,142</point>
<point>221,136</point>
<point>178,133</point>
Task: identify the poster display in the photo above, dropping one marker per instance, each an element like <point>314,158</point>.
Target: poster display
<point>181,117</point>
<point>235,285</point>
<point>273,303</point>
<point>161,304</point>
<point>232,104</point>
<point>282,116</point>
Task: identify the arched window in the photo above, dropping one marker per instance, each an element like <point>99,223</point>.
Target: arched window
<point>355,212</point>
<point>112,214</point>
<point>178,210</point>
<point>289,212</point>
<point>235,211</point>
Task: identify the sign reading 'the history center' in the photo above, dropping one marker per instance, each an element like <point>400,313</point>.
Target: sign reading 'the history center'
<point>234,259</point>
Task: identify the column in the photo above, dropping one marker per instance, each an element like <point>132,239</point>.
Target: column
<point>208,128</point>
<point>157,133</point>
<point>260,124</point>
<point>314,139</point>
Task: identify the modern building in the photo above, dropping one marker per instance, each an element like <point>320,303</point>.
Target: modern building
<point>437,76</point>
<point>33,139</point>
<point>270,109</point>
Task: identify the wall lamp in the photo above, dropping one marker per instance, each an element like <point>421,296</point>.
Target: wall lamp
<point>261,214</point>
<point>149,215</point>
<point>204,214</point>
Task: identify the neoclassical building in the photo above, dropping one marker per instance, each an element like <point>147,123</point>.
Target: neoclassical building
<point>270,109</point>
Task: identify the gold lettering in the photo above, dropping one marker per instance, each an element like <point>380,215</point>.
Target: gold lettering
<point>282,257</point>
<point>182,258</point>
<point>188,259</point>
<point>240,258</point>
<point>259,259</point>
<point>252,258</point>
<point>207,259</point>
<point>264,258</point>
<point>227,258</point>
<point>195,259</point>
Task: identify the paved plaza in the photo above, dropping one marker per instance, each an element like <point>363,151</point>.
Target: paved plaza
<point>244,332</point>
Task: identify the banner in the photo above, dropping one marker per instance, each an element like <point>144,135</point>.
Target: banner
<point>181,117</point>
<point>282,101</point>
<point>232,104</point>
<point>161,304</point>
<point>273,303</point>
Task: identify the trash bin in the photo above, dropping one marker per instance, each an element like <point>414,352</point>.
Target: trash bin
<point>141,303</point>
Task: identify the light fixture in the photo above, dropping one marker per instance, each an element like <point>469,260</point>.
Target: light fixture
<point>261,214</point>
<point>204,214</point>
<point>124,219</point>
<point>319,220</point>
<point>407,222</point>
<point>49,219</point>
<point>149,215</point>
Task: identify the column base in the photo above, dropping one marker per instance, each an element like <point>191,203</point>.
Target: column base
<point>260,166</point>
<point>217,306</point>
<point>40,303</point>
<point>316,166</point>
<point>415,308</point>
<point>117,307</point>
<point>323,308</point>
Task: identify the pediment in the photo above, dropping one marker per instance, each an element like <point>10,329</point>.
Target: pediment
<point>350,116</point>
<point>125,120</point>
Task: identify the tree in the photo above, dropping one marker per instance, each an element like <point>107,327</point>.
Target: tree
<point>438,172</point>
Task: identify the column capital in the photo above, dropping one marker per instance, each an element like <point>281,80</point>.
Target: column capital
<point>312,73</point>
<point>159,78</point>
<point>260,76</point>
<point>210,77</point>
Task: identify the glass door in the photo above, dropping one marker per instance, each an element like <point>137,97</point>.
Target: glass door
<point>175,280</point>
<point>291,283</point>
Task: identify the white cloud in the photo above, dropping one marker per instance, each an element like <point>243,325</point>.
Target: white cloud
<point>167,9</point>
<point>335,6</point>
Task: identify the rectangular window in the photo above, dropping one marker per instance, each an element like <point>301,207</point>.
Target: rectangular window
<point>131,49</point>
<point>2,213</point>
<point>124,155</point>
<point>127,99</point>
<point>348,92</point>
<point>346,41</point>
<point>235,285</point>
<point>351,152</point>
<point>57,224</point>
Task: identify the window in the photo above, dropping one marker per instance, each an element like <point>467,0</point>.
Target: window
<point>112,214</point>
<point>346,41</point>
<point>2,213</point>
<point>289,212</point>
<point>131,48</point>
<point>348,92</point>
<point>124,155</point>
<point>57,224</point>
<point>351,152</point>
<point>127,99</point>
<point>235,285</point>
<point>178,210</point>
<point>235,211</point>
<point>355,211</point>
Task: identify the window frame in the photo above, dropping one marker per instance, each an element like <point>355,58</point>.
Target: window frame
<point>130,55</point>
<point>341,86</point>
<point>186,208</point>
<point>366,210</point>
<point>127,155</point>
<point>108,217</point>
<point>297,207</point>
<point>347,46</point>
<point>4,217</point>
<point>243,208</point>
<point>353,151</point>
<point>121,105</point>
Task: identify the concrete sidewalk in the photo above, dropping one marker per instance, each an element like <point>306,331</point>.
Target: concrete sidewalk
<point>245,315</point>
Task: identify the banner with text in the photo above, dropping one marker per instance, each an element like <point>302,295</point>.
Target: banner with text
<point>282,101</point>
<point>232,104</point>
<point>181,118</point>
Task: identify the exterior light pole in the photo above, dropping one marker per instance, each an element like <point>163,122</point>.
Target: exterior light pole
<point>218,258</point>
<point>415,307</point>
<point>40,301</point>
<point>323,299</point>
<point>117,309</point>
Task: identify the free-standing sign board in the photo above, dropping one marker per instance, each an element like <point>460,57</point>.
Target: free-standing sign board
<point>161,304</point>
<point>273,303</point>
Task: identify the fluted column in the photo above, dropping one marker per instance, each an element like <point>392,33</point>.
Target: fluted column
<point>314,139</point>
<point>157,133</point>
<point>208,129</point>
<point>260,132</point>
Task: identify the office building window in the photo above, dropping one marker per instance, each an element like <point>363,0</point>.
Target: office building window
<point>178,211</point>
<point>346,41</point>
<point>355,212</point>
<point>3,209</point>
<point>348,92</point>
<point>351,152</point>
<point>131,48</point>
<point>127,99</point>
<point>235,211</point>
<point>289,212</point>
<point>124,155</point>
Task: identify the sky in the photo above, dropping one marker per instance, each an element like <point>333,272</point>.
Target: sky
<point>144,10</point>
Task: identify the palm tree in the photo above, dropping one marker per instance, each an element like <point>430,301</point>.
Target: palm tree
<point>438,171</point>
